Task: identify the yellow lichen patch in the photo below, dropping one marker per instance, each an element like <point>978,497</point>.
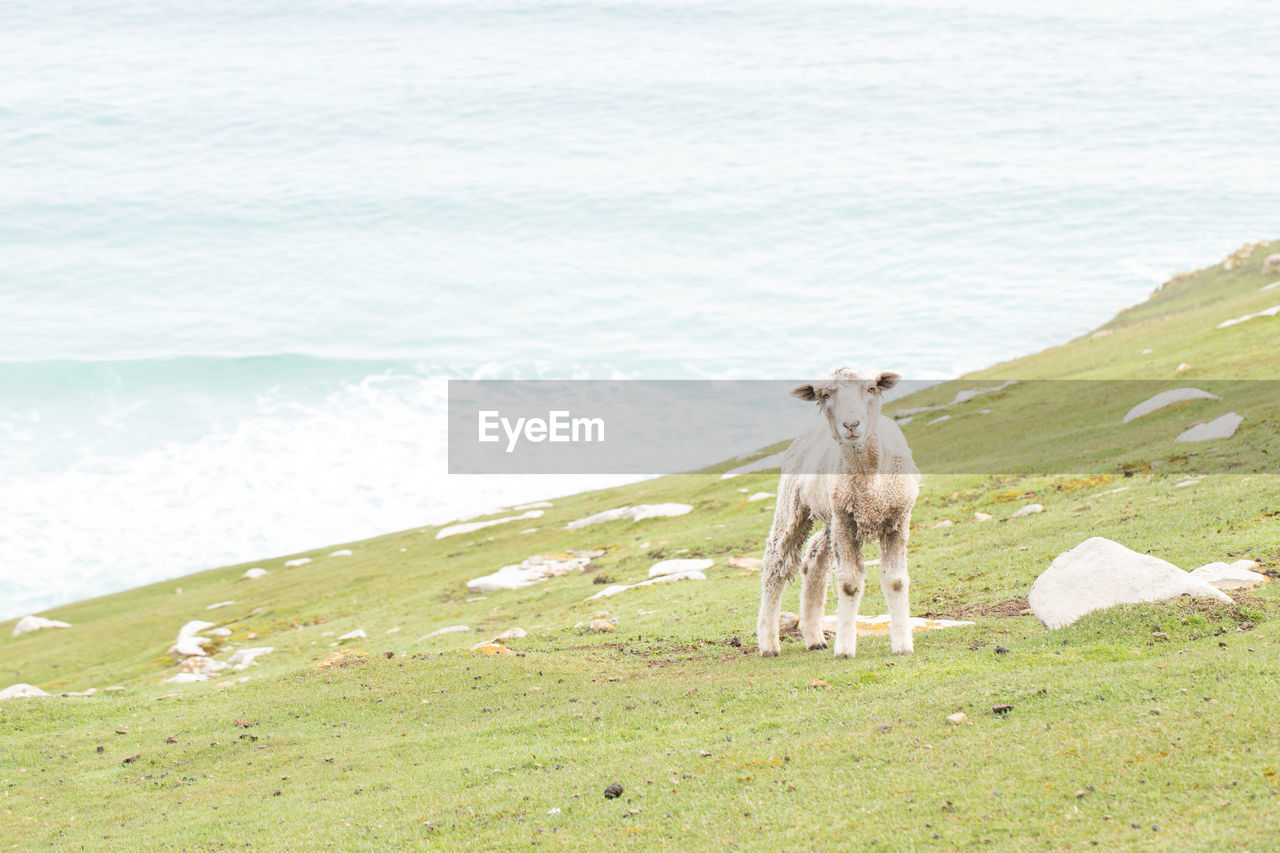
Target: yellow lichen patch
<point>346,657</point>
<point>489,647</point>
<point>1088,482</point>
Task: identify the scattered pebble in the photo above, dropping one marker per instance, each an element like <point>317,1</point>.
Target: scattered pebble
<point>982,516</point>
<point>343,552</point>
<point>958,718</point>
<point>1001,709</point>
<point>635,513</point>
<point>1029,509</point>
<point>357,634</point>
<point>613,791</point>
<point>472,526</point>
<point>251,574</point>
<point>601,626</point>
<point>218,604</point>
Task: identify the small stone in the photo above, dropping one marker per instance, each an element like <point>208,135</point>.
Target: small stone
<point>1183,368</point>
<point>1029,509</point>
<point>1160,636</point>
<point>704,753</point>
<point>1001,709</point>
<point>750,564</point>
<point>1001,650</point>
<point>958,718</point>
<point>982,516</point>
<point>253,574</point>
<point>35,623</point>
<point>946,522</point>
<point>601,626</point>
<point>357,634</point>
<point>554,810</point>
<point>613,791</point>
<point>491,648</point>
<point>1223,427</point>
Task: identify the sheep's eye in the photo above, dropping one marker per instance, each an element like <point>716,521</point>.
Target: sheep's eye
<point>824,395</point>
<point>871,389</point>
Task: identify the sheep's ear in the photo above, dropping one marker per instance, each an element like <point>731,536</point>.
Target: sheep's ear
<point>887,380</point>
<point>805,392</point>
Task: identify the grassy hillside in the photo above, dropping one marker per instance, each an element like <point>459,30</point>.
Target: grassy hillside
<point>1145,726</point>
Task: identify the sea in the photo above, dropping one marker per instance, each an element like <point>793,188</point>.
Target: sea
<point>245,244</point>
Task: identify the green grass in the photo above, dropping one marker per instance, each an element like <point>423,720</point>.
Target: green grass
<point>436,746</point>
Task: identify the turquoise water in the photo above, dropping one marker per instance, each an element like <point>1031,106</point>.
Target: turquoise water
<point>245,243</point>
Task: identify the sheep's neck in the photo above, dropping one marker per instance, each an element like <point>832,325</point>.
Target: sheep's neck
<point>865,461</point>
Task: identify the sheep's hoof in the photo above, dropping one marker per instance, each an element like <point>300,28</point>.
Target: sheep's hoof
<point>817,647</point>
<point>765,654</point>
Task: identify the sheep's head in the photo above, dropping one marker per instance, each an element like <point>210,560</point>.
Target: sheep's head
<point>850,401</point>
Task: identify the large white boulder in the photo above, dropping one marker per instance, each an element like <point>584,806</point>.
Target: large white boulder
<point>188,644</point>
<point>533,569</point>
<point>473,526</point>
<point>614,589</point>
<point>35,623</point>
<point>679,567</point>
<point>1237,575</point>
<point>1167,398</point>
<point>21,691</point>
<point>635,513</point>
<point>1223,427</point>
<point>1099,573</point>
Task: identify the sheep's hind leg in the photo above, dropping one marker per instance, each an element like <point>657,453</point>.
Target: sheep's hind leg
<point>896,587</point>
<point>850,578</point>
<point>813,591</point>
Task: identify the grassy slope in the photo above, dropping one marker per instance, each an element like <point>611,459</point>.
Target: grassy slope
<point>1116,735</point>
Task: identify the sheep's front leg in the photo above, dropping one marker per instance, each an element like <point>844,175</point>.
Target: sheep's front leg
<point>851,577</point>
<point>896,587</point>
<point>813,591</point>
<point>781,558</point>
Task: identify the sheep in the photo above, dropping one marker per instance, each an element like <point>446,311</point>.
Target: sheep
<point>1271,263</point>
<point>853,470</point>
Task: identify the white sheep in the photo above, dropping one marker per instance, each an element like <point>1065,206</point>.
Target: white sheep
<point>854,472</point>
<point>1272,262</point>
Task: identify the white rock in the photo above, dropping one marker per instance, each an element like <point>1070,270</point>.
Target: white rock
<point>301,561</point>
<point>244,658</point>
<point>982,516</point>
<point>1272,286</point>
<point>1167,398</point>
<point>743,491</point>
<point>533,570</point>
<point>188,644</point>
<point>679,567</point>
<point>635,513</point>
<point>946,522</point>
<point>764,463</point>
<point>1269,312</point>
<point>1182,368</point>
<point>218,604</point>
<point>966,396</point>
<point>534,505</point>
<point>186,678</point>
<point>341,552</point>
<point>452,629</point>
<point>251,574</point>
<point>1100,573</point>
<point>904,421</point>
<point>760,496</point>
<point>472,526</point>
<point>357,634</point>
<point>939,420</point>
<point>610,591</point>
<point>221,632</point>
<point>35,623</point>
<point>512,634</point>
<point>1237,575</point>
<point>1029,509</point>
<point>21,691</point>
<point>1223,427</point>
